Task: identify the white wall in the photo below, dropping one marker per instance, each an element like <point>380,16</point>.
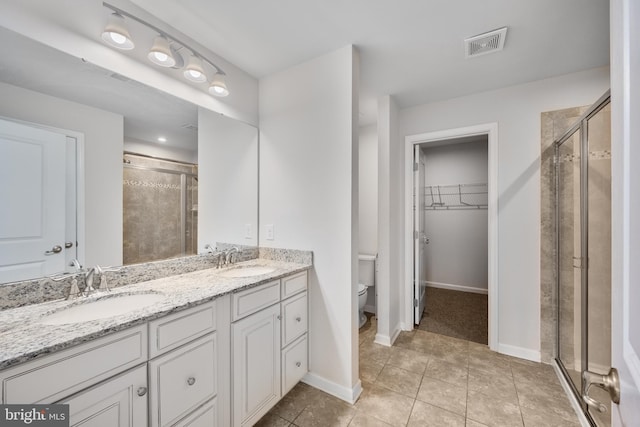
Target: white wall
<point>390,223</point>
<point>517,110</point>
<point>456,256</point>
<point>75,26</point>
<point>368,189</point>
<point>156,150</point>
<point>227,181</point>
<point>308,191</point>
<point>103,135</point>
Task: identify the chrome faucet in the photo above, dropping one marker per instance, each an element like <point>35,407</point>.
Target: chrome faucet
<point>219,257</point>
<point>89,279</point>
<point>228,254</point>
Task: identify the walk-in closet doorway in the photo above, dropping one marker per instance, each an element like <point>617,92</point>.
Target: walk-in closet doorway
<point>451,217</point>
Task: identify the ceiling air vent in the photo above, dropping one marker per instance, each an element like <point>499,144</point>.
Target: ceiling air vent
<point>189,126</point>
<point>490,42</point>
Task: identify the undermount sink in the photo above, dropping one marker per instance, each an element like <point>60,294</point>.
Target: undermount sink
<point>248,271</point>
<point>110,306</point>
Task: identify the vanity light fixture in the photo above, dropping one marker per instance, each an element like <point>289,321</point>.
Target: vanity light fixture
<point>164,51</point>
<point>115,34</point>
<point>218,86</point>
<point>194,70</point>
<point>160,53</point>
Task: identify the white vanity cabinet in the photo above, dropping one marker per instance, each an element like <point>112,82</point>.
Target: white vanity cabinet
<point>269,336</point>
<point>163,373</point>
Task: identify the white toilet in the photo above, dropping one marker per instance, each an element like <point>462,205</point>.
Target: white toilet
<point>362,300</point>
<point>366,282</point>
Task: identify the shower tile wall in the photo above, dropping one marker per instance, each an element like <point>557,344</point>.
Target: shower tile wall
<point>554,124</point>
<point>152,208</point>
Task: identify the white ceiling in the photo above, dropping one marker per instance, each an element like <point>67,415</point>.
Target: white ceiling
<point>411,49</point>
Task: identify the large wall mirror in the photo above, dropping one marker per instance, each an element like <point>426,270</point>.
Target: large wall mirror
<point>109,171</point>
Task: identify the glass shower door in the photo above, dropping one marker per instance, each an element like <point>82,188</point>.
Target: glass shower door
<point>583,248</point>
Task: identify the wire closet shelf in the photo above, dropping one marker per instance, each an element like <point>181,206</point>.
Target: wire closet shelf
<point>456,196</point>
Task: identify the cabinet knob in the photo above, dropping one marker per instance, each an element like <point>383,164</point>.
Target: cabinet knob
<point>298,319</point>
<point>191,381</point>
<point>279,317</point>
<point>142,391</point>
<point>298,364</point>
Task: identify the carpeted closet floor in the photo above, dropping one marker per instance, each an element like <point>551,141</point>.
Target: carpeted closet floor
<point>456,314</point>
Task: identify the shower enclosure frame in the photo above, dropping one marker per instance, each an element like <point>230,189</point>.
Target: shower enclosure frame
<point>581,126</point>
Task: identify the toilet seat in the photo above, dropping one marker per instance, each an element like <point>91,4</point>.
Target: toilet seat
<point>361,289</point>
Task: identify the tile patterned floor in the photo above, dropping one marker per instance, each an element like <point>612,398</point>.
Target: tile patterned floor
<point>427,380</point>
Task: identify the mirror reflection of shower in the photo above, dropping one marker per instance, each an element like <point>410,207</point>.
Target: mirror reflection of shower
<point>160,208</point>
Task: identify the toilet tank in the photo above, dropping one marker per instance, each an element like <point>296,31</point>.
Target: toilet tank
<point>367,276</point>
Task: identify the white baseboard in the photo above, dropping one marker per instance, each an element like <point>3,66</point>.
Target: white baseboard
<point>389,340</point>
<point>459,288</point>
<point>521,352</point>
<point>382,340</point>
<point>349,395</point>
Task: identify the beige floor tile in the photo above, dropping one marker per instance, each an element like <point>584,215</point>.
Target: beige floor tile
<point>399,380</point>
<point>370,369</point>
<point>294,402</point>
<point>272,420</point>
<point>408,359</point>
<point>448,372</point>
<point>491,364</point>
<point>425,415</point>
<point>472,423</point>
<point>449,354</point>
<point>386,405</point>
<point>542,418</point>
<point>373,351</point>
<point>493,412</point>
<point>404,339</point>
<point>362,420</point>
<point>538,400</point>
<point>326,411</point>
<point>443,395</point>
<point>492,385</point>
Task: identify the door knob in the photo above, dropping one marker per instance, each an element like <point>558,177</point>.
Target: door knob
<point>609,382</point>
<point>54,250</point>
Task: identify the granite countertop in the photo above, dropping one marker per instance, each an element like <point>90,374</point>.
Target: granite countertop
<point>23,336</point>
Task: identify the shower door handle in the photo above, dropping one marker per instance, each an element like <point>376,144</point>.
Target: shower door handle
<point>609,382</point>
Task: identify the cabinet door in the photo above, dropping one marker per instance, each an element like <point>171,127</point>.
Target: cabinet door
<point>182,380</point>
<point>118,402</point>
<point>256,365</point>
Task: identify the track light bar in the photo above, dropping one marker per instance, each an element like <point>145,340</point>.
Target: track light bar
<point>162,52</point>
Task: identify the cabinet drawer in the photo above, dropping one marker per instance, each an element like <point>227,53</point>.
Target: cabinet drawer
<point>252,300</point>
<point>172,331</point>
<point>294,364</point>
<point>204,416</point>
<point>182,380</point>
<point>294,318</point>
<point>294,284</point>
<point>59,375</point>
